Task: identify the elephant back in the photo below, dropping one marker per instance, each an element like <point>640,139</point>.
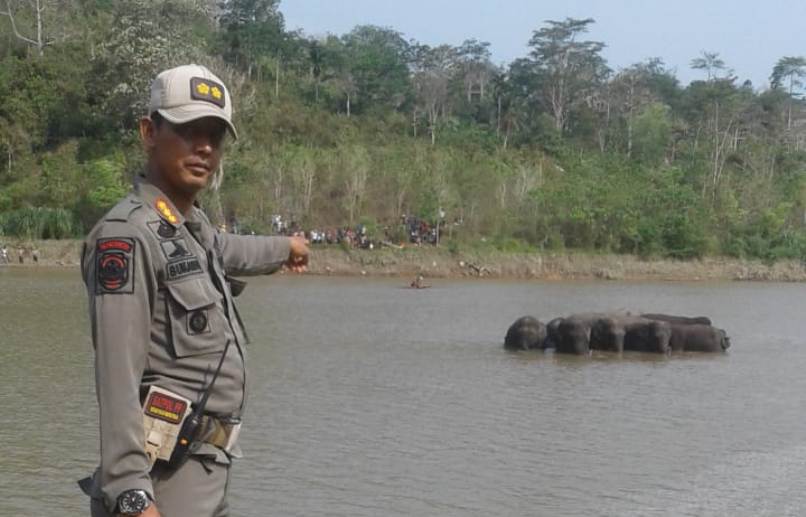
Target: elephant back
<point>678,320</point>
<point>699,338</point>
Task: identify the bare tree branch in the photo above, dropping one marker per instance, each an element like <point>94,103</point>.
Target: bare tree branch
<point>10,15</point>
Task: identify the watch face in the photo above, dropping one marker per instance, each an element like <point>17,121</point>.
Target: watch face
<point>132,502</point>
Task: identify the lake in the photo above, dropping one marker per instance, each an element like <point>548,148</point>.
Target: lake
<point>369,399</point>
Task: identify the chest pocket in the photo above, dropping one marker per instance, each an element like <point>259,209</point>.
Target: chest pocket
<point>198,325</point>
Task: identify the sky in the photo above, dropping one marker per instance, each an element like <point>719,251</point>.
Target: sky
<point>750,36</point>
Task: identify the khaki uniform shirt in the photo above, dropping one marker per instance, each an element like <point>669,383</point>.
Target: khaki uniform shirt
<point>161,313</point>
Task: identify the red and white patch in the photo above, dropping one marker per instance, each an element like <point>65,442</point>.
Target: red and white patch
<point>114,268</point>
<point>164,407</point>
<point>124,245</point>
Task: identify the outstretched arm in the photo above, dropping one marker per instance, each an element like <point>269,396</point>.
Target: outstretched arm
<point>260,255</point>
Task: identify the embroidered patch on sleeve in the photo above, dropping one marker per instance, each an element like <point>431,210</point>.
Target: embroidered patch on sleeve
<point>114,269</point>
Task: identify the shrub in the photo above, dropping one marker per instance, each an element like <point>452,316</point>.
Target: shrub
<point>40,223</point>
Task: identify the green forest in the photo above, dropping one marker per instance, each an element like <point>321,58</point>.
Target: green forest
<point>553,151</point>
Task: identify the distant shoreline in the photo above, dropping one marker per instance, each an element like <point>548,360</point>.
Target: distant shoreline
<point>441,263</point>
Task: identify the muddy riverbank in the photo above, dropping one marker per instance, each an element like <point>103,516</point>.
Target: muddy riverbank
<point>442,263</point>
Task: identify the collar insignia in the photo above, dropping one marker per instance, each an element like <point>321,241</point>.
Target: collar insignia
<point>164,209</point>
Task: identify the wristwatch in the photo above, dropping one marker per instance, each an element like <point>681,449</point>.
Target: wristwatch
<point>133,502</point>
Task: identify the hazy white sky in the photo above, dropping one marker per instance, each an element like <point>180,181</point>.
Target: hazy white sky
<point>750,36</point>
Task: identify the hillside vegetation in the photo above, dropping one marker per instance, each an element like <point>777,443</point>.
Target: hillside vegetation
<point>554,151</point>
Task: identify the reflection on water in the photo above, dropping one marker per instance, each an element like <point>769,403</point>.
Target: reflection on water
<point>367,399</point>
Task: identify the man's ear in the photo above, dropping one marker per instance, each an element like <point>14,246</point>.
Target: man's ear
<point>148,132</point>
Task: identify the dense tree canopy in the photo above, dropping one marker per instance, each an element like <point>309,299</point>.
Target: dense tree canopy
<point>554,150</point>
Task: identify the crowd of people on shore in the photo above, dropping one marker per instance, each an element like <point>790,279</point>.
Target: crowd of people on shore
<point>32,253</point>
<point>412,230</point>
<point>420,231</point>
<point>357,237</point>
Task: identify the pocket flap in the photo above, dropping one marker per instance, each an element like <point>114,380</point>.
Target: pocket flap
<point>194,293</point>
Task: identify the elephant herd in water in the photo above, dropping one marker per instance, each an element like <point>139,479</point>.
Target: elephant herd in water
<point>617,332</point>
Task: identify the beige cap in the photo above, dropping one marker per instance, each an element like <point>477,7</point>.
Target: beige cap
<point>191,92</point>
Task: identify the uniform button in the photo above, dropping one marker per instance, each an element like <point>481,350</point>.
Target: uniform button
<point>198,321</point>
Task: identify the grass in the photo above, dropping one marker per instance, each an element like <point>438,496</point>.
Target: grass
<point>39,223</point>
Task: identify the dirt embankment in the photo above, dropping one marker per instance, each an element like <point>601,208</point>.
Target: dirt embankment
<point>50,253</point>
<point>440,263</point>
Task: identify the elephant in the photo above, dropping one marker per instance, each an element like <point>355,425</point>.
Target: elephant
<point>699,338</point>
<point>681,320</point>
<point>607,333</point>
<point>618,333</point>
<point>527,333</point>
<point>574,336</point>
<point>574,332</point>
<point>645,335</point>
<point>552,333</point>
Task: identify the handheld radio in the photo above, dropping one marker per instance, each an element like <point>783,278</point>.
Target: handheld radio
<point>185,443</point>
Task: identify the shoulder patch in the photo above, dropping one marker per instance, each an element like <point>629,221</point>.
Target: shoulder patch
<point>114,266</point>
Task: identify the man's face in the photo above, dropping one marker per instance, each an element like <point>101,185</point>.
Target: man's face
<point>185,156</point>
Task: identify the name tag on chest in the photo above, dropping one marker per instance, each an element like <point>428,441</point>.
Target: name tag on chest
<point>182,268</point>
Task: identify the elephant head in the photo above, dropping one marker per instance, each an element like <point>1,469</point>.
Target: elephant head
<point>526,333</point>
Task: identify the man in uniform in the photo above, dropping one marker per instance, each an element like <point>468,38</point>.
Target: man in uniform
<point>160,287</point>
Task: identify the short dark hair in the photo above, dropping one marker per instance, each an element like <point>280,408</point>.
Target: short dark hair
<point>156,118</point>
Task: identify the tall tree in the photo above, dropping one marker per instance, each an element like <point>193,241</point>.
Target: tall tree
<point>477,71</point>
<point>38,23</point>
<point>632,90</point>
<point>315,55</point>
<point>135,48</point>
<point>722,113</point>
<point>378,66</point>
<point>329,71</point>
<point>570,68</point>
<point>519,102</point>
<point>254,38</point>
<point>711,63</point>
<point>432,69</point>
<point>792,70</point>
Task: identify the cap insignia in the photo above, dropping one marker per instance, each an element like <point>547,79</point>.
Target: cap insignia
<point>206,90</point>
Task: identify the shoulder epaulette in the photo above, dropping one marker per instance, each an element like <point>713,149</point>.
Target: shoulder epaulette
<point>123,210</point>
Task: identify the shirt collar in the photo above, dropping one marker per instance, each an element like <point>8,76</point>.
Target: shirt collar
<point>155,198</point>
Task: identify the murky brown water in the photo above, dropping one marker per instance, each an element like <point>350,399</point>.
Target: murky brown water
<point>372,400</point>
